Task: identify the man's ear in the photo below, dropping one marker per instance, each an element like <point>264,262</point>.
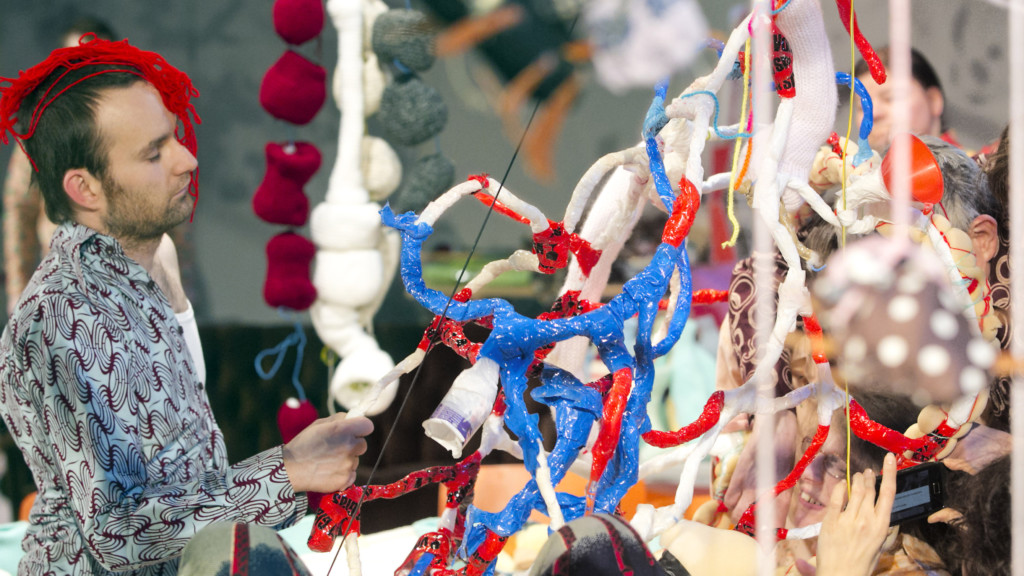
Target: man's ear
<point>83,188</point>
<point>936,102</point>
<point>984,235</point>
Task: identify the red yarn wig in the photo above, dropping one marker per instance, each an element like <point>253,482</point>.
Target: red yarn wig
<point>174,86</point>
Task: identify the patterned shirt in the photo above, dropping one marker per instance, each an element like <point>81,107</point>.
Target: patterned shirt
<point>99,391</point>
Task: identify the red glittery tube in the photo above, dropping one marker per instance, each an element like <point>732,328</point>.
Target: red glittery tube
<point>611,426</point>
<point>684,210</point>
<point>708,417</point>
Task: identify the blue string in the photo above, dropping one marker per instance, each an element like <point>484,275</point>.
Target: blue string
<point>714,121</point>
<point>867,122</point>
<point>298,338</point>
<point>780,8</point>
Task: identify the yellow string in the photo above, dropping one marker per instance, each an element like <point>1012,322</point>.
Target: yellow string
<point>849,128</point>
<point>733,181</point>
<point>746,164</point>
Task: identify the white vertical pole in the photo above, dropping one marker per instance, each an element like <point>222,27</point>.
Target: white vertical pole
<point>764,272</point>
<point>899,76</point>
<point>1016,201</point>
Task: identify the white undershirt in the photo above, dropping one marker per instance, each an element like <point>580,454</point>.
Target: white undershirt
<point>190,331</point>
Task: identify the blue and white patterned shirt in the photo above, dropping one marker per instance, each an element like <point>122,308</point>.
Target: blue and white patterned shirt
<point>99,391</point>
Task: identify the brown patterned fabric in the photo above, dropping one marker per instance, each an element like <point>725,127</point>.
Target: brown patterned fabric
<point>997,412</point>
<point>743,324</point>
<point>100,393</point>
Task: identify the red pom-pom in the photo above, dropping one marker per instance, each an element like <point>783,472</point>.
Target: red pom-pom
<point>294,89</point>
<point>279,198</point>
<point>293,417</point>
<point>288,258</point>
<point>298,21</point>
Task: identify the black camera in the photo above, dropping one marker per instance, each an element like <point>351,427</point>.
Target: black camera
<point>920,492</point>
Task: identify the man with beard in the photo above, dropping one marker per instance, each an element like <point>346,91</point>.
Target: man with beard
<point>99,382</point>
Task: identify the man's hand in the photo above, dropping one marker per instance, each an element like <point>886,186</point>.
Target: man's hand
<point>851,539</point>
<point>979,448</point>
<point>742,489</point>
<point>324,456</point>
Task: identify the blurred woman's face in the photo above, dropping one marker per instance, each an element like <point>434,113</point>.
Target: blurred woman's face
<point>925,106</point>
<point>815,486</point>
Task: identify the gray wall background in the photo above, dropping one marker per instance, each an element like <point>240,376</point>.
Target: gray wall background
<point>227,45</point>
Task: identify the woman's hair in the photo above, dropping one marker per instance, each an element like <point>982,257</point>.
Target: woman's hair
<point>982,499</point>
<point>920,69</point>
<point>979,544</point>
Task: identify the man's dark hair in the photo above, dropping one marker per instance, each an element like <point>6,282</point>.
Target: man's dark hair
<point>920,69</point>
<point>998,170</point>
<point>66,136</point>
<point>894,411</point>
<point>86,24</point>
<point>966,192</point>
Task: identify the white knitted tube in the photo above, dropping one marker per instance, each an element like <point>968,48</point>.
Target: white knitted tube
<point>816,96</point>
<point>345,226</point>
<point>346,181</point>
<point>382,169</point>
<point>336,284</point>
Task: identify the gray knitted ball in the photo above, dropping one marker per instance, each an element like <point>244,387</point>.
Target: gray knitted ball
<point>406,36</point>
<point>411,112</point>
<point>430,177</point>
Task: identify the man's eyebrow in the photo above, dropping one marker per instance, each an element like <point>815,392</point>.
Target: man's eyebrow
<point>154,144</point>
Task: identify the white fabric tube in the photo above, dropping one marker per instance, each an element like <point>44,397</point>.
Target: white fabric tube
<point>588,183</point>
<point>816,96</point>
<point>387,385</point>
<point>354,377</point>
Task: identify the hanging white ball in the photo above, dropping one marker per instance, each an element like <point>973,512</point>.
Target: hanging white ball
<point>382,169</point>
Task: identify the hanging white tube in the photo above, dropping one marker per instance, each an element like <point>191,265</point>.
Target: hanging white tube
<point>764,268</point>
<point>1016,40</point>
<point>899,76</point>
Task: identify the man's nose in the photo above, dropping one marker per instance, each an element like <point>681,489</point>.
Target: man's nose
<point>187,161</point>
